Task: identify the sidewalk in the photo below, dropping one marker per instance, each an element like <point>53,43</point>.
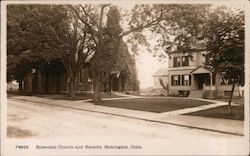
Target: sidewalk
<point>204,123</point>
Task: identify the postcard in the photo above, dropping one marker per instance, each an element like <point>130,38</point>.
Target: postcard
<point>125,77</point>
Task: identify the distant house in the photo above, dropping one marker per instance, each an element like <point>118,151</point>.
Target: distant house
<point>188,74</point>
<point>161,76</point>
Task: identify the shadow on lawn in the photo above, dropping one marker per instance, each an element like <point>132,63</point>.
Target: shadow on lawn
<point>222,112</point>
<point>14,132</point>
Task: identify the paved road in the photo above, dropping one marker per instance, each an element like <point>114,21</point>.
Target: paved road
<point>30,120</point>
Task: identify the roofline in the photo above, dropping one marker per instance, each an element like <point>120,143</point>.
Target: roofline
<point>160,75</point>
<point>192,50</point>
<point>200,67</point>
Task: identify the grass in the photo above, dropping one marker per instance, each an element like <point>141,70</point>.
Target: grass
<point>157,105</point>
<point>235,100</point>
<point>222,112</point>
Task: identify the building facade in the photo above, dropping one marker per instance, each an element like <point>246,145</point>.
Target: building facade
<point>56,82</point>
<point>161,78</point>
<point>189,77</point>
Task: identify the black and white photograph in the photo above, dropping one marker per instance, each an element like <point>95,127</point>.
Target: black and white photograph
<point>125,77</point>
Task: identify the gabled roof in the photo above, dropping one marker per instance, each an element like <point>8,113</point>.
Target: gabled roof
<point>200,70</point>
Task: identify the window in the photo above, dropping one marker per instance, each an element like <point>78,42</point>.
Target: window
<point>186,80</point>
<point>177,62</point>
<point>185,61</point>
<point>175,80</point>
<point>224,80</point>
<point>181,61</point>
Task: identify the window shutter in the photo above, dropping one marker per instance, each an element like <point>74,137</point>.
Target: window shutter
<point>172,80</point>
<point>190,80</point>
<point>179,78</point>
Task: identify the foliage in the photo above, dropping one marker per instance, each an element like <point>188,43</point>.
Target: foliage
<point>225,35</point>
<point>182,28</point>
<point>27,47</point>
<point>225,45</point>
<point>45,37</point>
<point>103,21</point>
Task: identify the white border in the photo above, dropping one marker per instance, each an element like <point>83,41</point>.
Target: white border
<point>4,140</point>
<point>3,77</point>
<point>247,74</point>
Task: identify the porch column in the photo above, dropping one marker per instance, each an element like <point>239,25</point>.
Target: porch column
<point>192,81</point>
<point>211,84</point>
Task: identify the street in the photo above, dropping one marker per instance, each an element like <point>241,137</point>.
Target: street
<point>32,120</point>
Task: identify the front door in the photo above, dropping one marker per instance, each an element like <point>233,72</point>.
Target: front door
<point>199,81</point>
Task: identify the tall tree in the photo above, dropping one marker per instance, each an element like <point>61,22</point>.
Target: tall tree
<point>182,29</point>
<point>97,18</point>
<point>225,35</point>
<point>50,32</point>
<point>26,46</point>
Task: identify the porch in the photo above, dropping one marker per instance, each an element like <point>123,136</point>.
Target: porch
<point>203,83</point>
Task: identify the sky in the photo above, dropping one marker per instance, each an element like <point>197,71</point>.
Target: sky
<point>146,66</point>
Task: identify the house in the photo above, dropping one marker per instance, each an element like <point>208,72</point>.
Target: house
<point>160,77</point>
<point>188,76</point>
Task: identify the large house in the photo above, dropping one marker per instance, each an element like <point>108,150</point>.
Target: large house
<point>188,76</point>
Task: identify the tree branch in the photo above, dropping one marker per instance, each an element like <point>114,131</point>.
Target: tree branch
<point>88,15</point>
<point>100,20</point>
<point>141,27</point>
<point>92,31</point>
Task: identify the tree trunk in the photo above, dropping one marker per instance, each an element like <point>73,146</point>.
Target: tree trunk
<point>96,86</point>
<point>72,89</point>
<point>46,82</point>
<point>125,87</point>
<point>111,83</point>
<point>20,87</point>
<point>230,100</point>
<point>240,93</point>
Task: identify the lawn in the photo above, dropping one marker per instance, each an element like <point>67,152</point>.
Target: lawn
<point>157,105</point>
<point>222,112</point>
<point>238,101</point>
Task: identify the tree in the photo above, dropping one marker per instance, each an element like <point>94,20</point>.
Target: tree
<point>26,47</point>
<point>93,18</point>
<point>181,29</point>
<point>225,34</point>
<point>162,84</point>
<point>80,48</point>
<point>125,64</point>
<point>51,32</point>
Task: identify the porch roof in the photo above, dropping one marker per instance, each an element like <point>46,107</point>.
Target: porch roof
<point>200,70</point>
